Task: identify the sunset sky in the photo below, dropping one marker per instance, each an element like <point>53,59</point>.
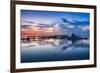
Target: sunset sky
<point>67,21</point>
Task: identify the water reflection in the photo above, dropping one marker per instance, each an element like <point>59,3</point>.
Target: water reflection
<point>54,50</point>
<point>56,42</point>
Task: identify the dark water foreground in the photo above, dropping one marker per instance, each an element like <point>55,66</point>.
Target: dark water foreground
<point>54,52</point>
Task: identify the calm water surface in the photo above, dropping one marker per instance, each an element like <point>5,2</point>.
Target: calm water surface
<point>54,50</point>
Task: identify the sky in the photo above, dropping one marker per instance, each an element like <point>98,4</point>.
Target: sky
<point>69,22</point>
<point>48,17</point>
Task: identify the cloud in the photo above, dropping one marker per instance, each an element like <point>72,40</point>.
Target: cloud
<point>84,28</point>
<point>70,26</point>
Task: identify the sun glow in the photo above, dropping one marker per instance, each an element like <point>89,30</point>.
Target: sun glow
<point>49,30</point>
<point>34,28</point>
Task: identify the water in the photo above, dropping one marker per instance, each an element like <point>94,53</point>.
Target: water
<point>54,50</point>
